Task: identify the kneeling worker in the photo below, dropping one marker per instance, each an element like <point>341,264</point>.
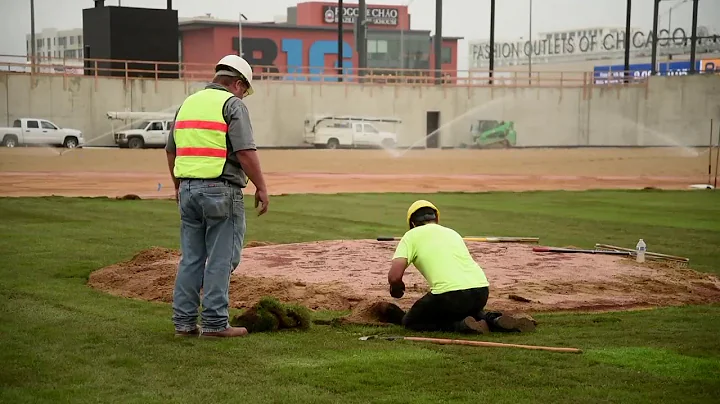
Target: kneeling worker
<point>458,286</point>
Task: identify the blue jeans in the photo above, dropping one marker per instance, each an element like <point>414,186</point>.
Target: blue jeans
<point>212,215</point>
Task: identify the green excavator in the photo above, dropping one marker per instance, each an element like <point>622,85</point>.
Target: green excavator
<point>492,134</point>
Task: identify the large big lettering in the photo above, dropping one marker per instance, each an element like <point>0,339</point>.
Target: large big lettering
<point>316,59</point>
<point>266,51</point>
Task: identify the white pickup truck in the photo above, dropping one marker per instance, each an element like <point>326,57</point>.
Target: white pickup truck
<point>145,133</point>
<point>332,132</point>
<point>31,131</point>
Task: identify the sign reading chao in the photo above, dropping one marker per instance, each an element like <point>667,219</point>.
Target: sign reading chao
<point>374,16</point>
<point>582,42</point>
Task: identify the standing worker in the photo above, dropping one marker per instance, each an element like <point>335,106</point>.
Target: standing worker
<point>459,288</point>
<point>211,154</point>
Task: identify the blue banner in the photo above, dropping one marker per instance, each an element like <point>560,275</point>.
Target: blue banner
<point>614,74</point>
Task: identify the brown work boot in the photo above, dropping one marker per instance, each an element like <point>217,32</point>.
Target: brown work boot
<point>519,323</point>
<point>470,325</point>
<point>227,333</point>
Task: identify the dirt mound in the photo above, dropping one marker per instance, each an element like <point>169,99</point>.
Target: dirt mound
<point>379,313</point>
<point>251,244</point>
<point>340,275</point>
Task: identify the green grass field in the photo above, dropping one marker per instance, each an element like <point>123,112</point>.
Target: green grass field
<point>64,342</point>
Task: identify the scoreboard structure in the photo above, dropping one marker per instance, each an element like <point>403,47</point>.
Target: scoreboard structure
<point>146,38</point>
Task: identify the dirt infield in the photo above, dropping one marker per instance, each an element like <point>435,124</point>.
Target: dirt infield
<point>309,273</point>
<point>115,172</point>
<point>302,273</point>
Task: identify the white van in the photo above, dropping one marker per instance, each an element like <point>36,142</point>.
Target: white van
<point>332,132</point>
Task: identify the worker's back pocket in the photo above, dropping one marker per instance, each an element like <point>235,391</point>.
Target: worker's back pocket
<point>216,202</point>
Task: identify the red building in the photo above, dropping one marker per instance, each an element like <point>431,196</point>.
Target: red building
<point>307,42</point>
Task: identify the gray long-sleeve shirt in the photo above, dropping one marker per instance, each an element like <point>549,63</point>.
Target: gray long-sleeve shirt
<point>239,137</point>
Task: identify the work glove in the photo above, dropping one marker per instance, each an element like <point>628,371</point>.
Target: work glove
<point>397,290</point>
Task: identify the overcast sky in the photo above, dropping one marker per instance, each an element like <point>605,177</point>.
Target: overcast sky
<point>466,18</point>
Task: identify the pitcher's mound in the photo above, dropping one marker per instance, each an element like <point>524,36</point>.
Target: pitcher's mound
<point>337,275</point>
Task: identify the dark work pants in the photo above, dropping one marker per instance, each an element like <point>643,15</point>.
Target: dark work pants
<point>445,311</point>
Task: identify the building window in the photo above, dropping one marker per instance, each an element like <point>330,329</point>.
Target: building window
<point>79,39</point>
<point>62,41</point>
<point>377,49</point>
<point>446,55</point>
<point>55,41</point>
<point>72,40</point>
<point>39,43</point>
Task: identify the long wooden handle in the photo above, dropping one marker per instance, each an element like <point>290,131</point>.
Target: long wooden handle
<point>578,251</point>
<point>503,239</point>
<point>444,341</point>
<point>482,239</point>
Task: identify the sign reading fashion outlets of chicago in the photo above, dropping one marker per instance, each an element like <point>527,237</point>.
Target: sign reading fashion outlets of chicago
<point>571,43</point>
<point>374,16</point>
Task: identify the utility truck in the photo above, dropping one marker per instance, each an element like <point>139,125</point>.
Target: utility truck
<point>346,131</point>
<point>33,131</point>
<point>146,129</point>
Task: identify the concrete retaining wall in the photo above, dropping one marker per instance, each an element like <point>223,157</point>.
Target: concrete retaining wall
<point>671,111</point>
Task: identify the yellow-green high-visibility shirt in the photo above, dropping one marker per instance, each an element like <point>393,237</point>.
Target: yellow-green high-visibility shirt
<point>441,256</point>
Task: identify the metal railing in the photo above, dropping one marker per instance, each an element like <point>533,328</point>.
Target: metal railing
<point>195,72</point>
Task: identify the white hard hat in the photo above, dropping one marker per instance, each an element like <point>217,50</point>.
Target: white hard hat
<point>239,65</point>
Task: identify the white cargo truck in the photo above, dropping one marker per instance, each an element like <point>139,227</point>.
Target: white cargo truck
<point>40,132</point>
<point>345,131</point>
<point>147,129</point>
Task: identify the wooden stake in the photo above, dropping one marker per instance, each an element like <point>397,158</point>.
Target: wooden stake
<point>710,148</point>
<point>717,159</point>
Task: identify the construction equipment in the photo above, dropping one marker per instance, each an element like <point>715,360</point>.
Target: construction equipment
<point>648,255</point>
<point>445,341</point>
<point>492,134</point>
<point>482,239</point>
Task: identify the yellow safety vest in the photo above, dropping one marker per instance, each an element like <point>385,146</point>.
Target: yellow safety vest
<point>199,133</point>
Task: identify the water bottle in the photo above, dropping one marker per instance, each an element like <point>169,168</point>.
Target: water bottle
<point>640,251</point>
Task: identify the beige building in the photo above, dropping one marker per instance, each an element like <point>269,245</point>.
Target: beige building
<point>53,44</point>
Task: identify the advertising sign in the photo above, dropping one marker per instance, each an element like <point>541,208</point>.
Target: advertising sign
<point>614,74</point>
<point>710,66</point>
<point>374,15</point>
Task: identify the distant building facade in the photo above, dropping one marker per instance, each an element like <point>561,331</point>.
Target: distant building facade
<point>53,44</point>
<point>596,49</point>
<point>305,40</point>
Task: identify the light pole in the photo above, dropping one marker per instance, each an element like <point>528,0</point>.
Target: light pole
<point>531,47</point>
<point>240,19</point>
<point>670,17</point>
<point>402,42</point>
<point>32,36</point>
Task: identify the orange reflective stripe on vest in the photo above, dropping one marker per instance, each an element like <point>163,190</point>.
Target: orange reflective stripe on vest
<point>200,135</point>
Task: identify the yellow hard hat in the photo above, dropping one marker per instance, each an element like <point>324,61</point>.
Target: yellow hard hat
<point>419,204</point>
